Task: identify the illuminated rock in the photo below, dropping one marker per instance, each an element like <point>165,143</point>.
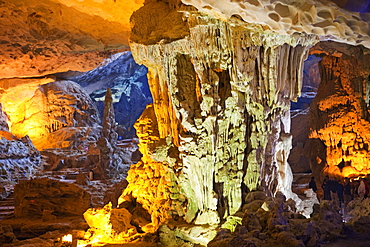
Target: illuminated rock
<point>339,115</point>
<point>221,103</point>
<point>38,107</point>
<point>150,182</point>
<point>222,75</point>
<point>50,36</point>
<point>108,225</point>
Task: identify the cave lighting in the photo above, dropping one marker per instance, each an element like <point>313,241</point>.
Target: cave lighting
<point>67,238</point>
<point>101,230</point>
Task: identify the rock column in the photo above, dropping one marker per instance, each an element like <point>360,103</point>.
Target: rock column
<point>220,121</point>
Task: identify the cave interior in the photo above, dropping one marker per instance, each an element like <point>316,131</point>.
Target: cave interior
<point>184,123</point>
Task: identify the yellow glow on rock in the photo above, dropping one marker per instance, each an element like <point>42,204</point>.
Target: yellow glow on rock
<point>67,238</point>
<point>24,113</point>
<point>108,226</point>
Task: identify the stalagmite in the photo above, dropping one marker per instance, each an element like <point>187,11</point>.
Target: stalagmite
<point>107,142</point>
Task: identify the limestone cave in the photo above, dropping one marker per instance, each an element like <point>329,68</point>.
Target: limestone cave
<point>179,123</point>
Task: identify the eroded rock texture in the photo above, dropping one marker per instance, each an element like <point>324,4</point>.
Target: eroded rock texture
<point>321,18</point>
<point>340,112</point>
<point>3,120</point>
<point>39,107</point>
<point>50,36</point>
<point>19,158</point>
<point>107,142</point>
<point>222,94</point>
<point>299,157</point>
<point>129,86</point>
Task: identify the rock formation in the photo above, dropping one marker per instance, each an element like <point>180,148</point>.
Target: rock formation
<point>222,107</point>
<point>38,107</point>
<point>269,223</point>
<point>299,156</point>
<point>113,159</point>
<point>19,159</point>
<point>46,37</point>
<point>107,142</point>
<point>36,197</point>
<point>339,115</point>
<point>222,83</point>
<point>222,75</point>
<point>129,86</point>
<point>3,120</point>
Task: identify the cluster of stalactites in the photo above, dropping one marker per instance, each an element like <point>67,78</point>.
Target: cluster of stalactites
<point>222,95</point>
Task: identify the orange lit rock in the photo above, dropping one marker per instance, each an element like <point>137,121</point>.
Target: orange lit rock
<point>33,197</point>
<point>108,225</point>
<point>50,36</point>
<point>152,182</point>
<point>38,107</point>
<point>340,111</point>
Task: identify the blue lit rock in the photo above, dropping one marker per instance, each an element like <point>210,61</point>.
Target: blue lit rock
<point>129,86</point>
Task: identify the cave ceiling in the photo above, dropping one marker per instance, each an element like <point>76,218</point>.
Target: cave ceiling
<point>40,37</point>
<point>49,36</point>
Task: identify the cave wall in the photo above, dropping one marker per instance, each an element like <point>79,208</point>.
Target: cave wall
<point>40,107</point>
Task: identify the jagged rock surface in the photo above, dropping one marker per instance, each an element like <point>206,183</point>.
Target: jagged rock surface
<point>321,18</point>
<point>270,222</point>
<point>45,37</point>
<point>299,156</point>
<point>3,120</point>
<point>113,159</point>
<point>37,197</point>
<point>19,159</point>
<point>107,142</point>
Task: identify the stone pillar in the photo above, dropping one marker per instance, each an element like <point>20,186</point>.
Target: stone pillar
<point>219,126</point>
<point>108,141</point>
